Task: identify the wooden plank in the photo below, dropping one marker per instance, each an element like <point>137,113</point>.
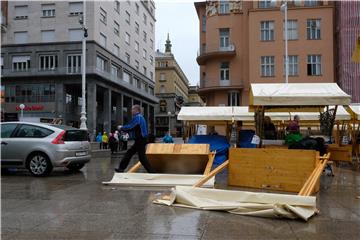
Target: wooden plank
<point>210,163</point>
<point>276,169</point>
<point>211,174</point>
<point>135,167</point>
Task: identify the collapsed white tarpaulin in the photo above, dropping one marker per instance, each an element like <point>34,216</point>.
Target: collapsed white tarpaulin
<point>298,94</point>
<point>156,180</point>
<point>243,203</point>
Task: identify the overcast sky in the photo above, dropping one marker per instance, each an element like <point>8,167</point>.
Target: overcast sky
<point>179,19</point>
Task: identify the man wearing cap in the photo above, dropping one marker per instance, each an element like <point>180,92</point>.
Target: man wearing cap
<point>139,127</point>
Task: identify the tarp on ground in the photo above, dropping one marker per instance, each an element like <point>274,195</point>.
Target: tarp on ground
<point>243,203</point>
<point>217,143</point>
<point>156,180</point>
<point>297,94</point>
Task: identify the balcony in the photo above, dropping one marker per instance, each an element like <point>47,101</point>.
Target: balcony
<point>218,84</point>
<point>205,54</point>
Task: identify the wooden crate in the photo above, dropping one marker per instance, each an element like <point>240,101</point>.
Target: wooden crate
<point>178,158</point>
<point>275,169</point>
<point>340,153</point>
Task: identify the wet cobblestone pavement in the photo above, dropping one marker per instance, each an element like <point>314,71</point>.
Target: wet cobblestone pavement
<point>68,205</point>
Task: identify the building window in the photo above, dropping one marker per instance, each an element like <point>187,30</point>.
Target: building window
<point>224,71</point>
<point>136,27</point>
<point>234,98</point>
<point>48,10</point>
<point>127,57</point>
<point>103,16</point>
<point>203,23</point>
<point>152,27</point>
<point>2,62</point>
<point>115,71</point>
<point>292,31</point>
<point>137,65</point>
<point>74,63</point>
<point>116,28</point>
<point>76,34</point>
<point>314,65</point>
<point>103,40</point>
<point>30,93</point>
<point>136,47</point>
<point>126,77</point>
<point>137,9</point>
<point>162,77</point>
<point>151,90</point>
<point>138,83</point>
<point>20,63</point>
<point>21,12</point>
<point>100,64</point>
<point>266,4</point>
<point>224,7</point>
<point>48,35</point>
<point>144,54</point>
<point>144,71</point>
<point>151,75</point>
<point>267,30</point>
<point>293,65</point>
<point>151,60</point>
<point>48,62</point>
<point>127,19</point>
<point>162,89</point>
<point>151,44</point>
<point>75,8</point>
<point>144,36</point>
<point>116,50</point>
<point>144,18</point>
<point>21,37</point>
<point>127,38</point>
<point>311,3</point>
<point>268,66</point>
<point>313,29</point>
<point>117,6</point>
<point>224,37</point>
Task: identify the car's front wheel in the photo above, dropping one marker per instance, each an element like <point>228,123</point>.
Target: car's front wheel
<point>39,164</point>
<point>76,166</point>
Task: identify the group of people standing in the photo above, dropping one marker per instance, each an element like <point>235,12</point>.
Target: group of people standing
<point>116,141</point>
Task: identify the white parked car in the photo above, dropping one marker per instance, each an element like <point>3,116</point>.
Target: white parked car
<point>41,147</point>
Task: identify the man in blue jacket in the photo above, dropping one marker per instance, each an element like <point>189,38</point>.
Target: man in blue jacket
<point>139,127</point>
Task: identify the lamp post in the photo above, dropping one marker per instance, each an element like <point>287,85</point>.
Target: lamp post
<point>169,114</point>
<point>22,107</point>
<point>284,9</point>
<point>82,21</point>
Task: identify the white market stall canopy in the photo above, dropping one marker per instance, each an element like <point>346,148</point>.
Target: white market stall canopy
<point>356,109</point>
<point>298,94</point>
<point>242,113</point>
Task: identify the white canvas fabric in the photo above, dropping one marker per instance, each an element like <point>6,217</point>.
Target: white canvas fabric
<point>243,203</point>
<point>242,113</point>
<point>156,180</point>
<point>298,94</point>
<point>356,109</point>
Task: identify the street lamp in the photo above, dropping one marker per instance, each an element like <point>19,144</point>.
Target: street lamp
<point>169,114</point>
<point>22,107</point>
<point>82,21</point>
<point>284,9</point>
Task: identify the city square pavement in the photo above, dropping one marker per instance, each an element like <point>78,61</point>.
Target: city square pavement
<point>68,205</point>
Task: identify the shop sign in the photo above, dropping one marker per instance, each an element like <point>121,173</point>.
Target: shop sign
<point>31,108</point>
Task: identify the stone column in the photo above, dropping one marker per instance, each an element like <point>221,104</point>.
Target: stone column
<point>119,109</point>
<point>60,101</point>
<point>107,110</point>
<point>91,109</point>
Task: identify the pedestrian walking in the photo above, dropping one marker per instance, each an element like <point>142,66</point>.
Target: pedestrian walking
<point>99,139</point>
<point>139,127</point>
<point>105,141</point>
<point>112,143</point>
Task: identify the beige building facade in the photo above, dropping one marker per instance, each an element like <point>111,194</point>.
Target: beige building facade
<point>243,42</point>
<point>171,87</point>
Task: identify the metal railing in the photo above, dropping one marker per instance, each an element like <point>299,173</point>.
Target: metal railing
<point>204,50</point>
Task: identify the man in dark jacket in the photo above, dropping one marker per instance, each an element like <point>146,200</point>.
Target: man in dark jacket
<point>138,126</point>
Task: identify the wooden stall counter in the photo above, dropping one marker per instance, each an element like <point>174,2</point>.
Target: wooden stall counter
<point>340,153</point>
<point>274,169</point>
